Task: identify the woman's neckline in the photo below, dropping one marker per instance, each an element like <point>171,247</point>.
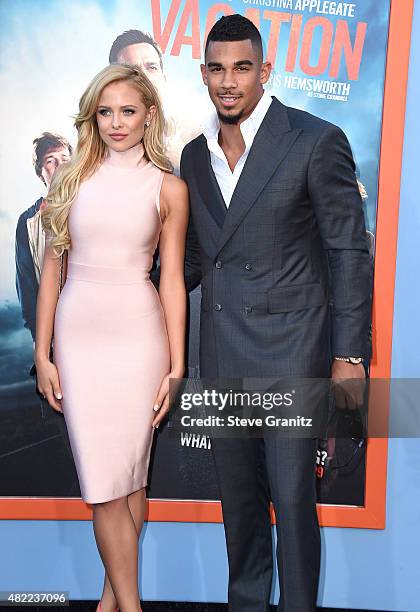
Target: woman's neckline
<point>130,159</point>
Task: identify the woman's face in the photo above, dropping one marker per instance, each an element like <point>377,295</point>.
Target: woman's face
<point>121,115</point>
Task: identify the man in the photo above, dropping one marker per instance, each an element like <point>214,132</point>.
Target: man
<point>50,151</point>
<point>276,234</point>
<point>137,47</point>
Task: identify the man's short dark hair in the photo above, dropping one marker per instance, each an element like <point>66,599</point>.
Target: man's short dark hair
<point>47,141</point>
<point>232,28</point>
<point>132,37</point>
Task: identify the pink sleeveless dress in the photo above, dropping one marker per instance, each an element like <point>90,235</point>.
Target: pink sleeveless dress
<point>110,340</point>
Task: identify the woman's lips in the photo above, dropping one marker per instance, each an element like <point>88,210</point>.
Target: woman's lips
<point>118,136</point>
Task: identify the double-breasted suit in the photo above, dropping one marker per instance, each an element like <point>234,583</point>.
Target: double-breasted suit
<point>285,278</point>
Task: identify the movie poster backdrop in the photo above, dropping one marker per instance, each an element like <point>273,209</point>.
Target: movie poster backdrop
<point>328,59</point>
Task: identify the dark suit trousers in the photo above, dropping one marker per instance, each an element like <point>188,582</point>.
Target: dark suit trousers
<point>248,470</point>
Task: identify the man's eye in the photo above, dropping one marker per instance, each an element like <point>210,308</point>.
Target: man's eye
<point>242,68</point>
<point>215,69</point>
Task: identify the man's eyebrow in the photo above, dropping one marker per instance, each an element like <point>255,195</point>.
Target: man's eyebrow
<point>238,63</point>
<point>244,63</point>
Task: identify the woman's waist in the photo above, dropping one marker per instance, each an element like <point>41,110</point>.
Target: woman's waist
<point>117,275</point>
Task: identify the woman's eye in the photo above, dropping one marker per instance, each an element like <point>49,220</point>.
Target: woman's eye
<point>105,112</point>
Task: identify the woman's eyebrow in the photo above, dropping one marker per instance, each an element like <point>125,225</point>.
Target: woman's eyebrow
<point>124,106</point>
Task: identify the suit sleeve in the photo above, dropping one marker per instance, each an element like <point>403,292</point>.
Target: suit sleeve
<point>155,270</point>
<point>338,208</point>
<point>26,281</point>
<point>192,268</point>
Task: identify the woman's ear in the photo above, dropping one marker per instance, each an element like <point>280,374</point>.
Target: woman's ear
<point>150,114</point>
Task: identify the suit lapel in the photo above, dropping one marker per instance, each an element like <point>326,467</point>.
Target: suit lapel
<point>208,185</point>
<point>271,144</point>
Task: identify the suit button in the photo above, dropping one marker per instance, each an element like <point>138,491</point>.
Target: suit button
<point>248,309</point>
<point>248,266</point>
<point>218,264</point>
<point>218,307</point>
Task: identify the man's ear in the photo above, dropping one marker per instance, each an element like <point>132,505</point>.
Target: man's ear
<point>265,72</point>
<point>203,73</point>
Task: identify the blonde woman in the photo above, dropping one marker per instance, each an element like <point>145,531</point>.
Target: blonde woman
<point>117,342</point>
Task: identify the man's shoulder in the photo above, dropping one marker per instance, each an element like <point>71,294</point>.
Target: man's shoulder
<point>193,145</point>
<point>32,210</point>
<point>29,212</point>
<point>309,123</point>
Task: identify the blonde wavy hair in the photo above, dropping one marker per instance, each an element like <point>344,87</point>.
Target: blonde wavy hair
<point>91,150</point>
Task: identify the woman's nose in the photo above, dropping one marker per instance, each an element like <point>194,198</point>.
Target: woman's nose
<point>116,121</point>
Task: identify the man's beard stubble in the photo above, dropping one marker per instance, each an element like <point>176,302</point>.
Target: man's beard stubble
<point>230,119</point>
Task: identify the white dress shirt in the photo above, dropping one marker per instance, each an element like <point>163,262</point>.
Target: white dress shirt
<point>225,177</point>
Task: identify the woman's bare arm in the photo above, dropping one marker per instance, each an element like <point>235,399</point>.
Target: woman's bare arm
<point>174,213</point>
<point>47,374</point>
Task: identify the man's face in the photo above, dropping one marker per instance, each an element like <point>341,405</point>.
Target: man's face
<point>145,56</point>
<point>234,74</point>
<point>53,158</point>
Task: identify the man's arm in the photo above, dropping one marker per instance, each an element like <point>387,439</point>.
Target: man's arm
<point>192,267</point>
<point>26,281</point>
<point>339,211</point>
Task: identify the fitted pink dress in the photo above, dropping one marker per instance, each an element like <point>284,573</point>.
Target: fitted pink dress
<point>110,340</point>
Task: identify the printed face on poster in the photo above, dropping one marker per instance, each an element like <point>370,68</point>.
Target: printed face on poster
<point>328,58</point>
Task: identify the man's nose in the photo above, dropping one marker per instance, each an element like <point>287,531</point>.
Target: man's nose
<point>228,81</point>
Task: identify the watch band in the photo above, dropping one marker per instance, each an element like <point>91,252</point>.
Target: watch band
<point>352,360</point>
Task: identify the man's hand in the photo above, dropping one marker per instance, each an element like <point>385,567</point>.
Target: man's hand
<point>349,383</point>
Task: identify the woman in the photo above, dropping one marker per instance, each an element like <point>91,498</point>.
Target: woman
<point>117,342</point>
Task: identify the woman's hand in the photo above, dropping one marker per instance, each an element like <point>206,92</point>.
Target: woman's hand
<point>48,383</point>
<point>162,399</point>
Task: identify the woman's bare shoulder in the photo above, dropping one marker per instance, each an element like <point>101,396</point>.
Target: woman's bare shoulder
<point>174,191</point>
<point>172,183</point>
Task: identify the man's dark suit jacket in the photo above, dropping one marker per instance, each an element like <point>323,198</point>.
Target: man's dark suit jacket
<point>285,270</point>
<point>26,280</point>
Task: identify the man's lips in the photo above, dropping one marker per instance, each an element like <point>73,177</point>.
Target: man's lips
<point>228,100</point>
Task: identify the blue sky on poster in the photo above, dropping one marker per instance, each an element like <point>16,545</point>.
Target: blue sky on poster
<point>51,50</point>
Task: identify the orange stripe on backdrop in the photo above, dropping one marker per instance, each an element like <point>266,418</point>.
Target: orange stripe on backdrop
<point>372,514</point>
